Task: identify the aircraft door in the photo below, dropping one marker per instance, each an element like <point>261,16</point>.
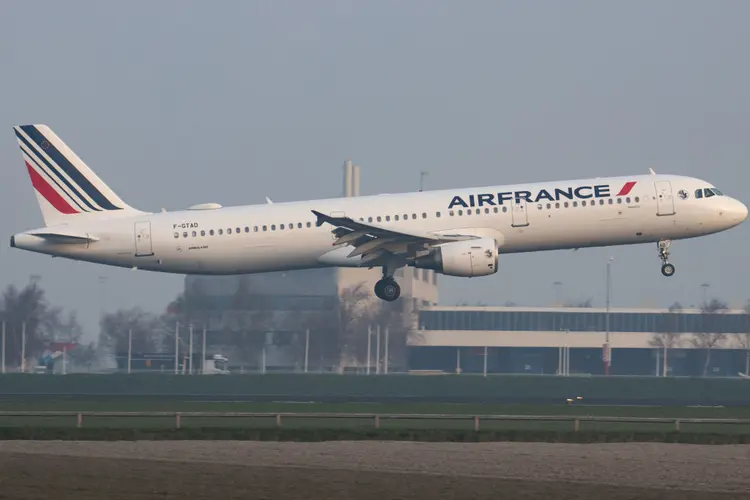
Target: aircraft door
<point>143,246</point>
<point>664,198</point>
<point>519,213</point>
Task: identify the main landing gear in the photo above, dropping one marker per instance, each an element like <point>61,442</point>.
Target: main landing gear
<point>386,288</point>
<point>667,269</point>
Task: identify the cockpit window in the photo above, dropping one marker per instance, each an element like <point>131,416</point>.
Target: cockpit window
<point>708,192</point>
<point>699,193</point>
<point>718,193</point>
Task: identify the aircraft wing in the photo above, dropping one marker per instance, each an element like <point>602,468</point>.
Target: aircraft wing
<point>373,241</point>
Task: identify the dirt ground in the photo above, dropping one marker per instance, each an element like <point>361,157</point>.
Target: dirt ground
<point>370,470</point>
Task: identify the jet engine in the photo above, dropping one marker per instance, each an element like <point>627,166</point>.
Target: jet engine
<point>461,258</point>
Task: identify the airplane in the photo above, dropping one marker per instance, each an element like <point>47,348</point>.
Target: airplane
<point>455,232</point>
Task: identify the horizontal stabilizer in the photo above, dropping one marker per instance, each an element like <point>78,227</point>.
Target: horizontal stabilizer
<point>66,237</point>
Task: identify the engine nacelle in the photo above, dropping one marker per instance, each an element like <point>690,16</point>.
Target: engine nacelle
<point>462,258</point>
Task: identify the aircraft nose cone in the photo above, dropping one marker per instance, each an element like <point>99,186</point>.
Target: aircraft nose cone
<point>741,211</point>
<point>735,211</point>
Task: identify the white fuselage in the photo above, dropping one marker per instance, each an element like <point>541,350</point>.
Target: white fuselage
<point>284,236</point>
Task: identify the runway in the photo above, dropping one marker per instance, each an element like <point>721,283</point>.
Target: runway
<point>370,470</point>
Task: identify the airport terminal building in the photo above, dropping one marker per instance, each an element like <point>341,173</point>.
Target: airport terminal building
<point>535,341</point>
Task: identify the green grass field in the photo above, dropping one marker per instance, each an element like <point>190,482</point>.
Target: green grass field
<point>578,408</point>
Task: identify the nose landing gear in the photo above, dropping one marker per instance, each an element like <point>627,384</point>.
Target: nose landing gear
<point>667,269</point>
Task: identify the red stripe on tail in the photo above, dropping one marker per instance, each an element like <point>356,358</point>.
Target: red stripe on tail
<point>626,188</point>
<point>49,194</point>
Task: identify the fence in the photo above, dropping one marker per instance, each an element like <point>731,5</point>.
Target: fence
<point>376,418</point>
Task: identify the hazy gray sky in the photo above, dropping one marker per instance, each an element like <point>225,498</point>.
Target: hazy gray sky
<point>174,103</point>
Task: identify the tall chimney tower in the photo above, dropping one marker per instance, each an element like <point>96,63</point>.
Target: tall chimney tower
<point>355,181</point>
<point>348,178</point>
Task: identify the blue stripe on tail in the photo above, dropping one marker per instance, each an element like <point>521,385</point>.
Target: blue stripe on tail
<point>68,168</point>
<point>57,173</point>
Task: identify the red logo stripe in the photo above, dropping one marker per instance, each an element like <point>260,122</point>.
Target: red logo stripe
<point>626,188</point>
<point>49,194</point>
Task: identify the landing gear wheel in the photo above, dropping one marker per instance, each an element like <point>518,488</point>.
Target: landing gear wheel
<point>387,289</point>
<point>667,269</point>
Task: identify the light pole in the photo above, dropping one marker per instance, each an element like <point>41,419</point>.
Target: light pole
<point>607,351</point>
<point>705,286</point>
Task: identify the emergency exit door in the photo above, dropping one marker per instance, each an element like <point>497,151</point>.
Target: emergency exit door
<point>519,213</point>
<point>143,246</point>
<point>664,198</point>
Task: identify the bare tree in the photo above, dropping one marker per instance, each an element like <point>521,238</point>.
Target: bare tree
<point>668,336</point>
<point>710,335</point>
<point>27,310</point>
<point>146,330</point>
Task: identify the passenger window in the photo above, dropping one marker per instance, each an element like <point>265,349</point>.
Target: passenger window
<point>291,226</point>
<point>203,233</point>
<point>255,229</point>
<point>281,226</point>
<point>299,225</point>
<point>539,206</point>
<point>637,199</point>
<point>308,224</point>
<point>575,203</point>
<point>505,209</point>
<point>221,231</point>
<point>424,215</point>
<point>619,201</point>
<point>583,203</point>
<point>195,233</point>
<point>460,212</point>
<point>211,232</point>
<point>229,230</point>
<point>601,202</point>
<point>627,200</point>
<point>369,219</point>
<point>451,213</point>
<point>378,218</point>
<point>611,201</point>
<point>486,210</point>
<point>395,217</point>
<point>265,228</point>
<point>494,209</point>
<point>549,206</point>
<point>565,204</point>
<point>273,227</point>
<point>176,235</point>
<point>437,214</point>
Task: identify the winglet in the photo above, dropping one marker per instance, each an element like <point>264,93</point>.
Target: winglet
<point>320,218</point>
<point>651,171</point>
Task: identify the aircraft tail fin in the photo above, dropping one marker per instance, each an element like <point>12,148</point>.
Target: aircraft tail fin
<point>66,188</point>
